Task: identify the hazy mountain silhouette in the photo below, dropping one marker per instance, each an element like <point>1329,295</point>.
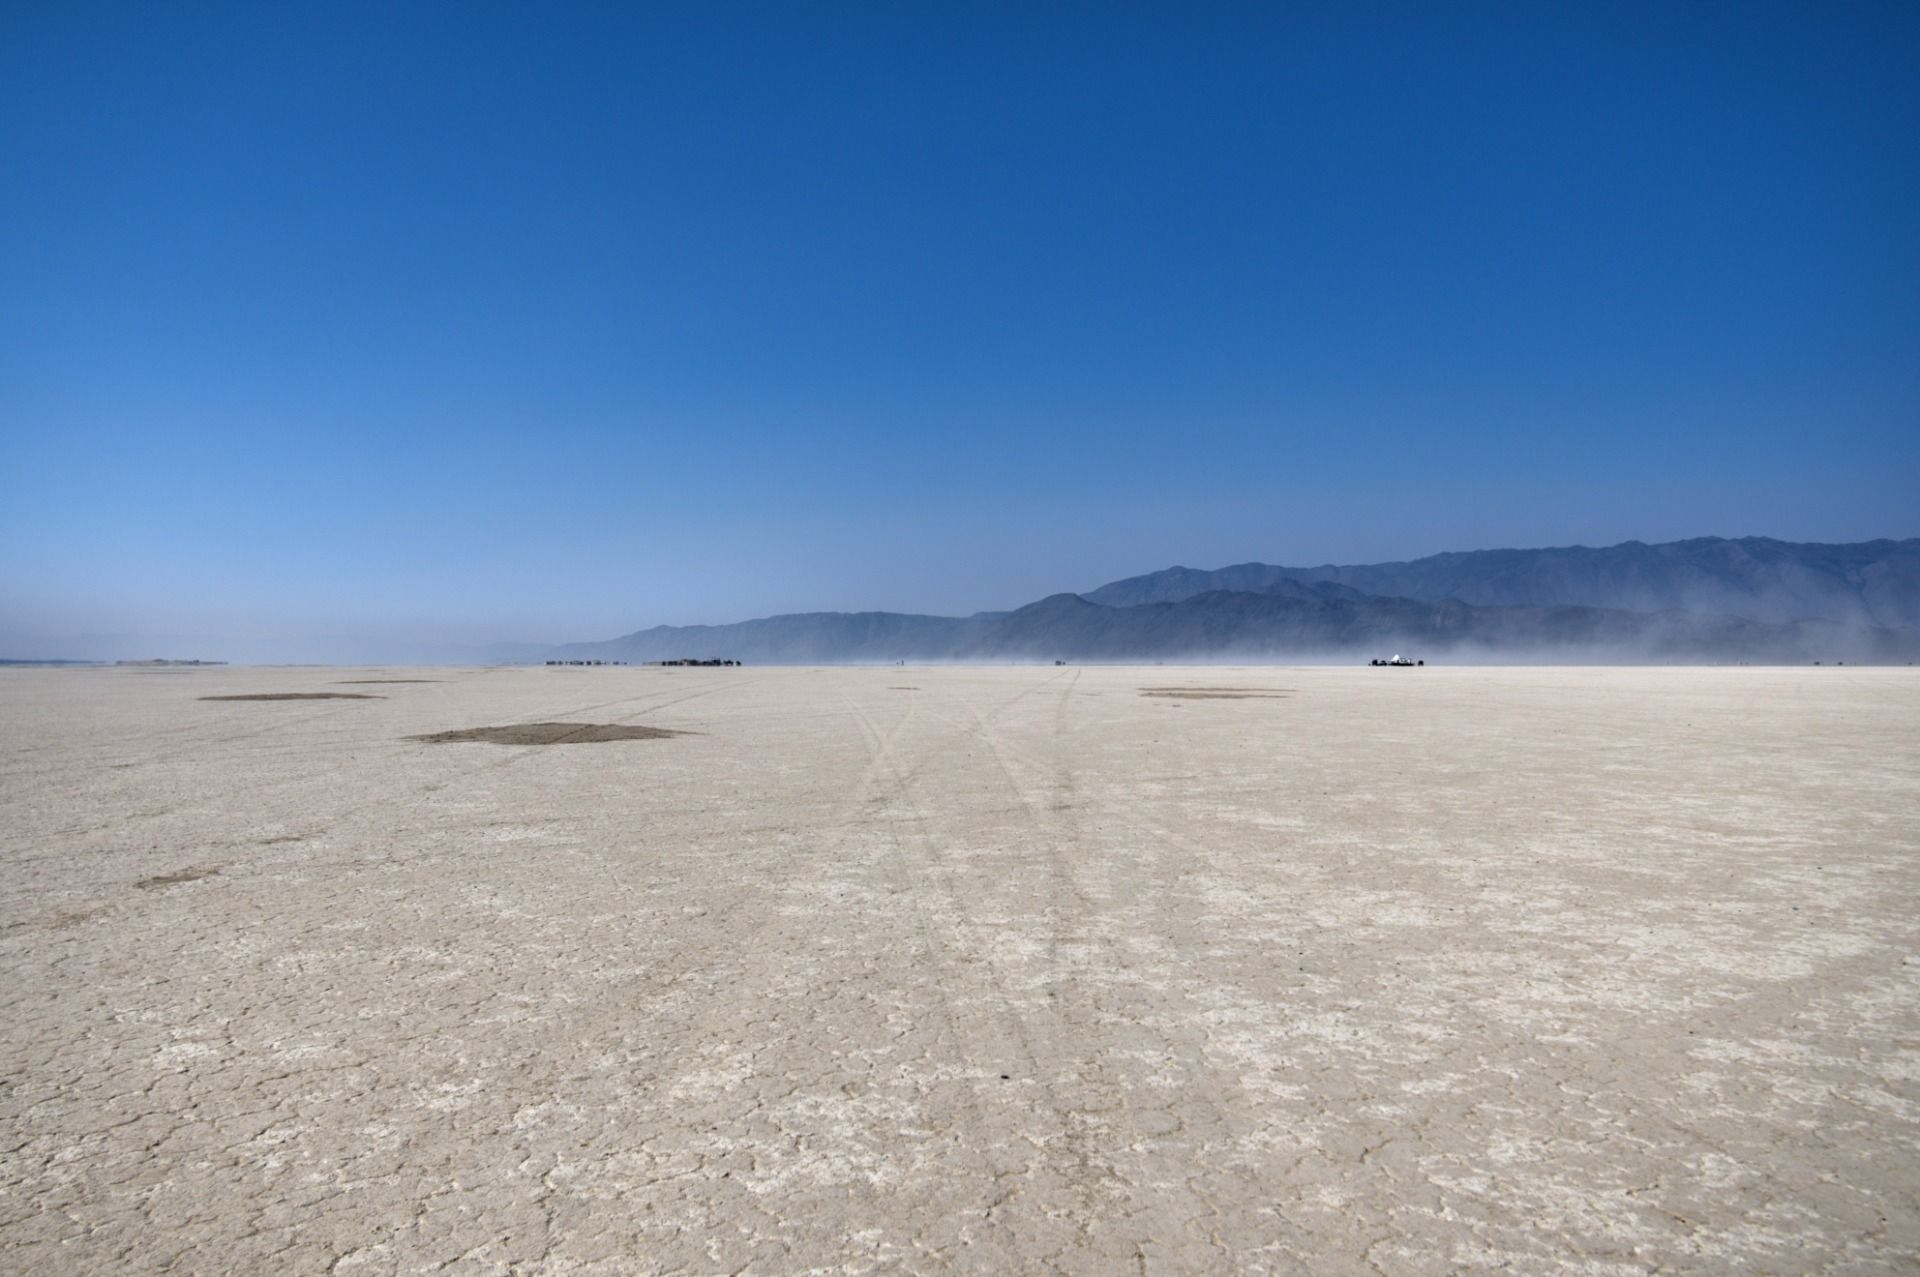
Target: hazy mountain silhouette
<point>1760,579</point>
<point>1228,624</point>
<point>1753,599</point>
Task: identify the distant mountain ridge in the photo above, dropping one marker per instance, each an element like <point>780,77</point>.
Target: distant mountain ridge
<point>1753,599</point>
<point>1757,578</point>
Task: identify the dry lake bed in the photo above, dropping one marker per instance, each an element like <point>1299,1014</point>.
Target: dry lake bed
<point>996,971</point>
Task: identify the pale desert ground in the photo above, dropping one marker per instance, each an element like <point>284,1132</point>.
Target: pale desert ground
<point>1553,971</point>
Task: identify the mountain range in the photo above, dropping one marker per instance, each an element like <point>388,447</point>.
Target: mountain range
<point>1705,599</point>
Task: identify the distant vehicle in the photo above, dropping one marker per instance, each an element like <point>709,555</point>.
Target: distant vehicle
<point>1399,660</point>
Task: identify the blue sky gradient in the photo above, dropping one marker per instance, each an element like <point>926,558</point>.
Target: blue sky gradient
<point>326,330</point>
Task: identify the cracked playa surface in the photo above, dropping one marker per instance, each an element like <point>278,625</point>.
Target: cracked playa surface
<point>1012,971</point>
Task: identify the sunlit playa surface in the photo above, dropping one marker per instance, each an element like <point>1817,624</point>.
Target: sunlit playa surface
<point>1018,970</point>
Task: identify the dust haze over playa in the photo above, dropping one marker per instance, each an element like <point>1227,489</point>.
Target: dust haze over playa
<point>1709,599</point>
<point>754,640</point>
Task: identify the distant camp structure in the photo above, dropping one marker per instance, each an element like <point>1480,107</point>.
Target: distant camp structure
<point>688,660</point>
<point>1404,662</point>
<point>164,661</point>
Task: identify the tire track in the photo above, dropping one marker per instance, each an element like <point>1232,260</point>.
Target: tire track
<point>917,866</point>
<point>1094,1005</point>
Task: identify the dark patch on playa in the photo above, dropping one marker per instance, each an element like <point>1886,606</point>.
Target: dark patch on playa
<point>1218,693</point>
<point>903,689</point>
<point>297,696</point>
<point>548,734</point>
<point>175,878</point>
<point>362,682</point>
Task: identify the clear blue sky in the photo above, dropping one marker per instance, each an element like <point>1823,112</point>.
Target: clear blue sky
<point>329,323</point>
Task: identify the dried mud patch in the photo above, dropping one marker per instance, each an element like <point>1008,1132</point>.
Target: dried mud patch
<point>548,734</point>
<point>296,696</point>
<point>72,918</point>
<point>1218,693</point>
<point>175,878</point>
